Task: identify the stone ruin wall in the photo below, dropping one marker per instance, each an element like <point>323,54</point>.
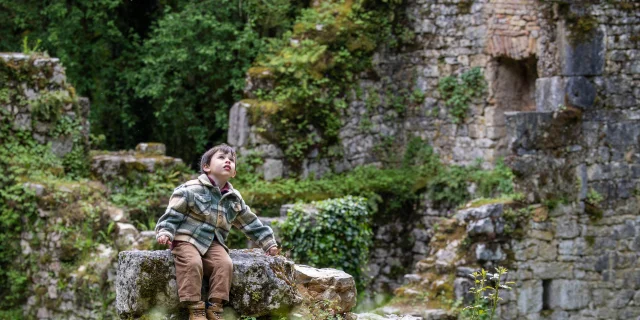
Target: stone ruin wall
<point>46,77</point>
<point>563,114</point>
<point>577,156</point>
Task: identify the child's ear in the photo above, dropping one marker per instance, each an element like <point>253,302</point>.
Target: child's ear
<point>206,168</point>
<point>234,173</point>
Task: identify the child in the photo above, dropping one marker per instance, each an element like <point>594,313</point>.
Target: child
<point>196,224</point>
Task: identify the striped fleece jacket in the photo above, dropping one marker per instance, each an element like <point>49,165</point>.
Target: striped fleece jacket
<point>198,213</point>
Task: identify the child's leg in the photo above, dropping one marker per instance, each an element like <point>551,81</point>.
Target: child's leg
<point>188,271</point>
<point>219,269</point>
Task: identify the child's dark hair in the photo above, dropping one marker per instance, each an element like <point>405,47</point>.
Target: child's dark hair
<point>224,148</point>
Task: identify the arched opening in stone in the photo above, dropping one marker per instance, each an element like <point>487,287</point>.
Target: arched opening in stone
<point>514,84</point>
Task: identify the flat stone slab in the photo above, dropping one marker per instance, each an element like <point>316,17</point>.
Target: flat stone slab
<point>107,165</point>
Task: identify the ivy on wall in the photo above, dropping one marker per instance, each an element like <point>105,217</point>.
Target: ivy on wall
<point>337,234</point>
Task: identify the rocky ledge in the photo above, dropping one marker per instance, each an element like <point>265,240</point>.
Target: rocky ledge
<point>261,285</point>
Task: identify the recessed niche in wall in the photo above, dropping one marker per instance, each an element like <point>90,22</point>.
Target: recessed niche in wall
<point>546,294</point>
<point>514,84</point>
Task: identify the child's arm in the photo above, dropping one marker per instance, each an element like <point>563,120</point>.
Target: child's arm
<point>251,226</point>
<point>173,216</point>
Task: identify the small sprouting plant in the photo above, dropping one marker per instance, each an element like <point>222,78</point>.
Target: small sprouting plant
<point>26,49</point>
<point>486,292</point>
<point>594,197</point>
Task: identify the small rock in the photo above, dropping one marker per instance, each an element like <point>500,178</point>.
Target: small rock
<point>332,285</point>
<point>412,278</point>
<point>153,148</point>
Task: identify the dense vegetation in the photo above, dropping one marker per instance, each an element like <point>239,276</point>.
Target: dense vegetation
<point>169,70</point>
<point>155,69</point>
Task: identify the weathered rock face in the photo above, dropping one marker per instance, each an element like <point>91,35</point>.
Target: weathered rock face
<point>146,279</point>
<point>317,285</point>
<point>261,285</point>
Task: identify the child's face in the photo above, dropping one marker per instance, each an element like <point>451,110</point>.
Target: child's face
<point>222,165</point>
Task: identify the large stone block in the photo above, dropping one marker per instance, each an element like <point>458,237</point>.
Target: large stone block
<point>530,297</point>
<point>261,285</point>
<point>151,148</point>
<point>273,169</point>
<point>585,58</point>
<point>145,280</point>
<point>580,92</point>
<point>239,128</point>
<point>105,166</point>
<point>569,294</point>
<point>542,130</point>
<point>550,93</point>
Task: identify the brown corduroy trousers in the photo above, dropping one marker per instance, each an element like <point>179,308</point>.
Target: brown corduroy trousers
<point>214,265</point>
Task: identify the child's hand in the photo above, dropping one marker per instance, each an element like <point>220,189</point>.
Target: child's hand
<point>273,251</point>
<point>164,240</point>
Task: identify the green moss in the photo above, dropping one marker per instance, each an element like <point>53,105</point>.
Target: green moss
<point>506,199</point>
<point>581,27</point>
<point>464,6</point>
<point>41,291</point>
<point>260,72</point>
<point>594,212</point>
<point>256,296</point>
<point>591,240</point>
<point>151,279</point>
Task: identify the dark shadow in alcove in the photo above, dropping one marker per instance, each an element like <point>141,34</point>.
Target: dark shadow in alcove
<point>514,86</point>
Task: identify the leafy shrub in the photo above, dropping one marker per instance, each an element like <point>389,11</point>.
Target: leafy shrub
<point>315,67</point>
<point>458,92</point>
<point>338,235</point>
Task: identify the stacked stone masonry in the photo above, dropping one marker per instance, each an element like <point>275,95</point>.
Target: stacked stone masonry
<point>562,106</point>
<point>47,78</point>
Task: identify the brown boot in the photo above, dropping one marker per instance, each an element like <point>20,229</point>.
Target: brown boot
<point>196,311</point>
<point>214,311</point>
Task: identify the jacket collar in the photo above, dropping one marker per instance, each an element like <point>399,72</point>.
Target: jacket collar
<point>205,181</point>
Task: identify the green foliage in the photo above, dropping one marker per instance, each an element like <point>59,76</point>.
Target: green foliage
<point>491,183</point>
<point>160,69</point>
<point>27,49</point>
<point>146,195</point>
<point>315,66</point>
<point>486,292</point>
<point>49,104</point>
<point>338,235</point>
<point>192,69</point>
<point>390,188</point>
<point>515,219</point>
<point>594,197</point>
<point>458,92</point>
